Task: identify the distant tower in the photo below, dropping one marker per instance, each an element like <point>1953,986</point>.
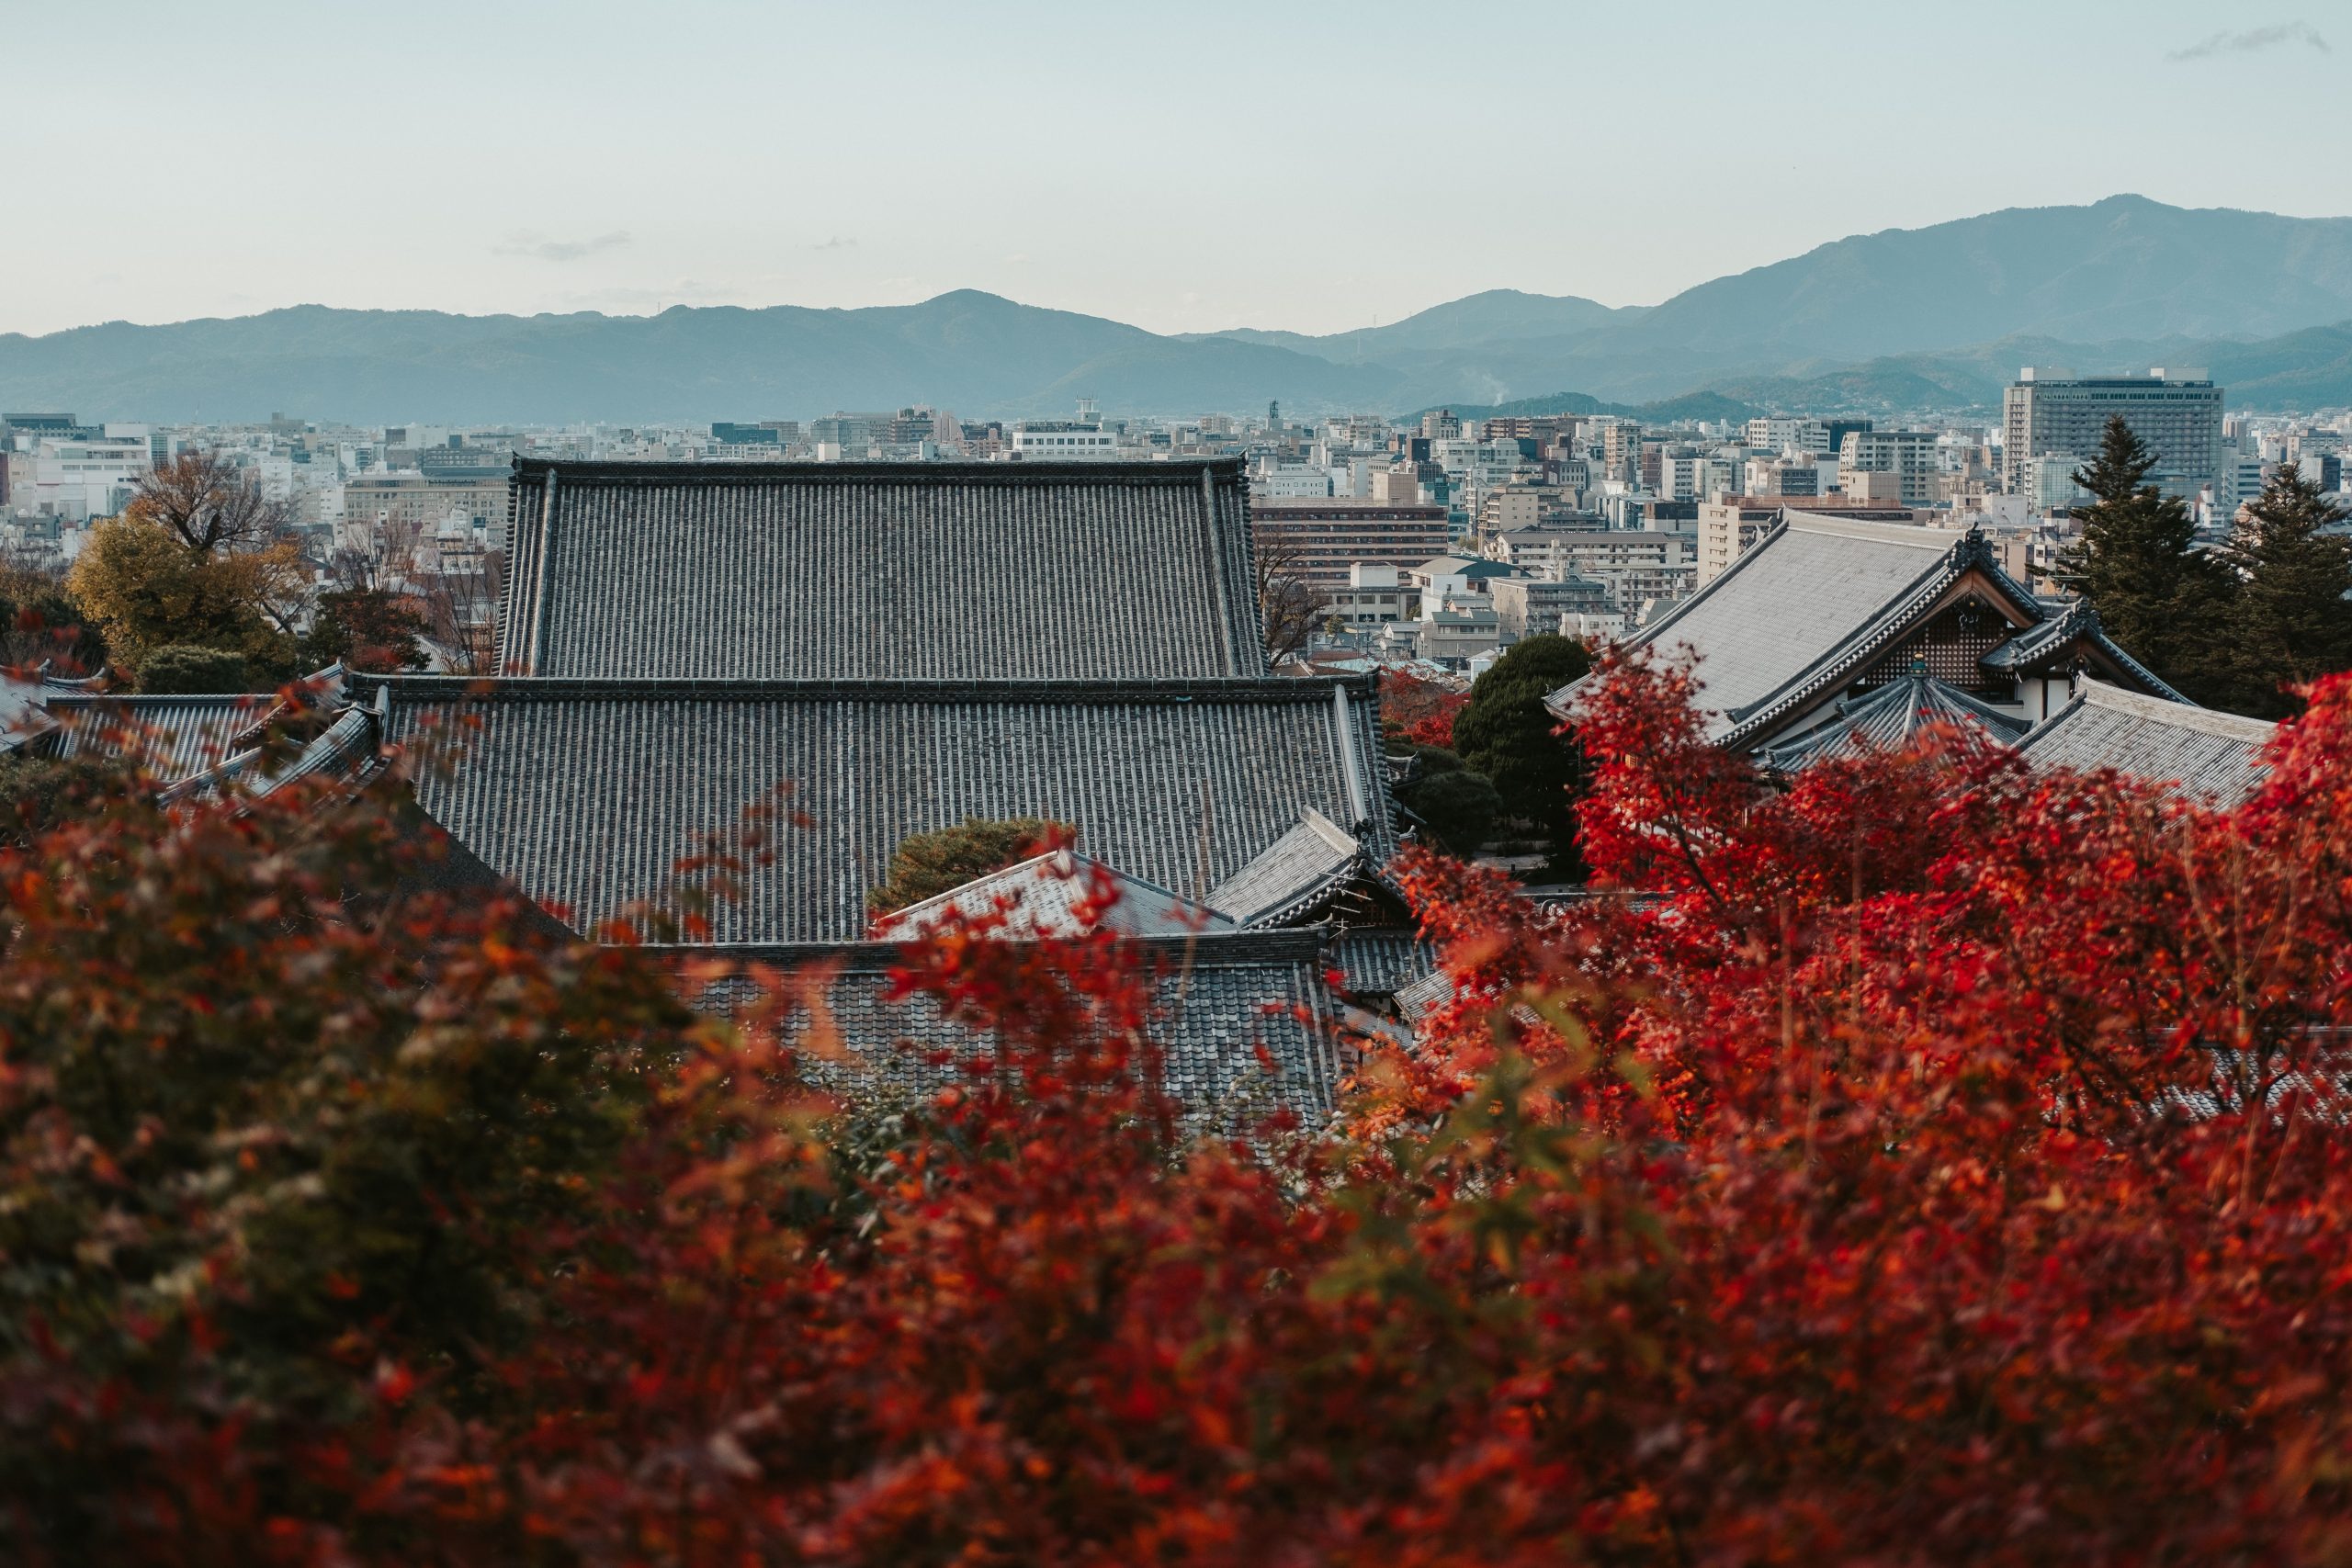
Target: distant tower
<point>1088,415</point>
<point>1274,415</point>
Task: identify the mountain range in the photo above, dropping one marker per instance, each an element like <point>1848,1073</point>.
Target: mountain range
<point>1939,317</point>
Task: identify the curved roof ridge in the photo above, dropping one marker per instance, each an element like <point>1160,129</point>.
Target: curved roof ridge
<point>2182,716</point>
<point>1909,533</point>
<point>1276,689</point>
<point>1174,470</point>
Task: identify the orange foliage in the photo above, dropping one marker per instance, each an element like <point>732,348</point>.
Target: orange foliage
<point>1934,1163</point>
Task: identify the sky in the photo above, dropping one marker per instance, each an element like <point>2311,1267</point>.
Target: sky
<point>1184,167</point>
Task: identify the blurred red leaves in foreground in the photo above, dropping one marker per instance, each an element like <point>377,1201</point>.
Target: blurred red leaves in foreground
<point>1939,1164</point>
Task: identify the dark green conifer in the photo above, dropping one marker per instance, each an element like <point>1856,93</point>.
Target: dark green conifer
<point>2165,601</point>
<point>2293,563</point>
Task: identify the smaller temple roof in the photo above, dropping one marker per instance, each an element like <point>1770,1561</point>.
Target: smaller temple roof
<point>1808,608</point>
<point>1295,872</point>
<point>2198,750</point>
<point>2048,646</point>
<point>1891,717</point>
<point>1050,895</point>
<point>1223,996</point>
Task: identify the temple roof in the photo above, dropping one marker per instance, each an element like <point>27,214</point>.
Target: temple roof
<point>1223,995</point>
<point>1887,718</point>
<point>1808,609</point>
<point>183,740</point>
<point>2215,755</point>
<point>586,793</point>
<point>2049,649</point>
<point>1294,874</point>
<point>1009,571</point>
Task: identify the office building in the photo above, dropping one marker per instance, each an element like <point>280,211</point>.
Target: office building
<point>2051,414</point>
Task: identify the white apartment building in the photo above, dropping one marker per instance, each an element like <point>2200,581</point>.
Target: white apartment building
<point>79,478</point>
<point>1911,455</point>
<point>1485,463</point>
<point>1290,481</point>
<point>1059,441</point>
<point>1374,596</point>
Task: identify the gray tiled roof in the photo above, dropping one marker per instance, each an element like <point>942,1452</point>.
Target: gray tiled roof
<point>1043,893</point>
<point>196,741</point>
<point>180,737</point>
<point>1886,718</point>
<point>2216,755</point>
<point>1297,871</point>
<point>1375,961</point>
<point>1222,995</point>
<point>1806,609</point>
<point>881,571</point>
<point>586,793</point>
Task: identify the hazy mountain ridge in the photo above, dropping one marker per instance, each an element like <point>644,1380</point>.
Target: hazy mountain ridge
<point>1472,320</point>
<point>1940,316</point>
<point>2309,369</point>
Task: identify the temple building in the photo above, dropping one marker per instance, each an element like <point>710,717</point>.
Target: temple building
<point>1832,634</point>
<point>877,651</point>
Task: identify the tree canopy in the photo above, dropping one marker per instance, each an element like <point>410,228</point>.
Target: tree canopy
<point>2166,602</point>
<point>365,628</point>
<point>1937,1163</point>
<point>39,624</point>
<point>2293,621</point>
<point>927,864</point>
<point>199,559</point>
<point>147,590</point>
<point>1506,733</point>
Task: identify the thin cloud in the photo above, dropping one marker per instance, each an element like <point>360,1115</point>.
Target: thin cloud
<point>835,243</point>
<point>528,244</point>
<point>2253,40</point>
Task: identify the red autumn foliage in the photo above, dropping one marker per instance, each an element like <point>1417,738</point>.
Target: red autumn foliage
<point>1935,1163</point>
<point>1419,711</point>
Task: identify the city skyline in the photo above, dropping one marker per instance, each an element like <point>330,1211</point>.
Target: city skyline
<point>533,160</point>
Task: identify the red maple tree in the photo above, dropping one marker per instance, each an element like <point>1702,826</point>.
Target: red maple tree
<point>1932,1162</point>
<point>1418,710</point>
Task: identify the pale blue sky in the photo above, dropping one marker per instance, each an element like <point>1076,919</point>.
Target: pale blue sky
<point>1184,167</point>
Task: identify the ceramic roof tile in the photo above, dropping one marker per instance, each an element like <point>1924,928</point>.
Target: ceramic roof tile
<point>1295,870</point>
<point>180,737</point>
<point>1890,716</point>
<point>881,571</point>
<point>1223,996</point>
<point>587,792</point>
<point>1807,607</point>
<point>2216,755</point>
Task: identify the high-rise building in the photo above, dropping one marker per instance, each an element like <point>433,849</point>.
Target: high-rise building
<point>2051,414</point>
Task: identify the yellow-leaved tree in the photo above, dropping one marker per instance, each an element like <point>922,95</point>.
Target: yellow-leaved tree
<point>200,559</point>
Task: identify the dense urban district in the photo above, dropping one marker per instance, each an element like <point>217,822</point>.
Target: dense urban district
<point>1498,988</point>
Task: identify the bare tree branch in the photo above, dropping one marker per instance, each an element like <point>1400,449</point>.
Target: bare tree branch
<point>1290,609</point>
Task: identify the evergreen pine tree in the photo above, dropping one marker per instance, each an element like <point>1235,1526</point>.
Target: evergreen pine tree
<point>2294,567</point>
<point>2137,563</point>
<point>1508,734</point>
